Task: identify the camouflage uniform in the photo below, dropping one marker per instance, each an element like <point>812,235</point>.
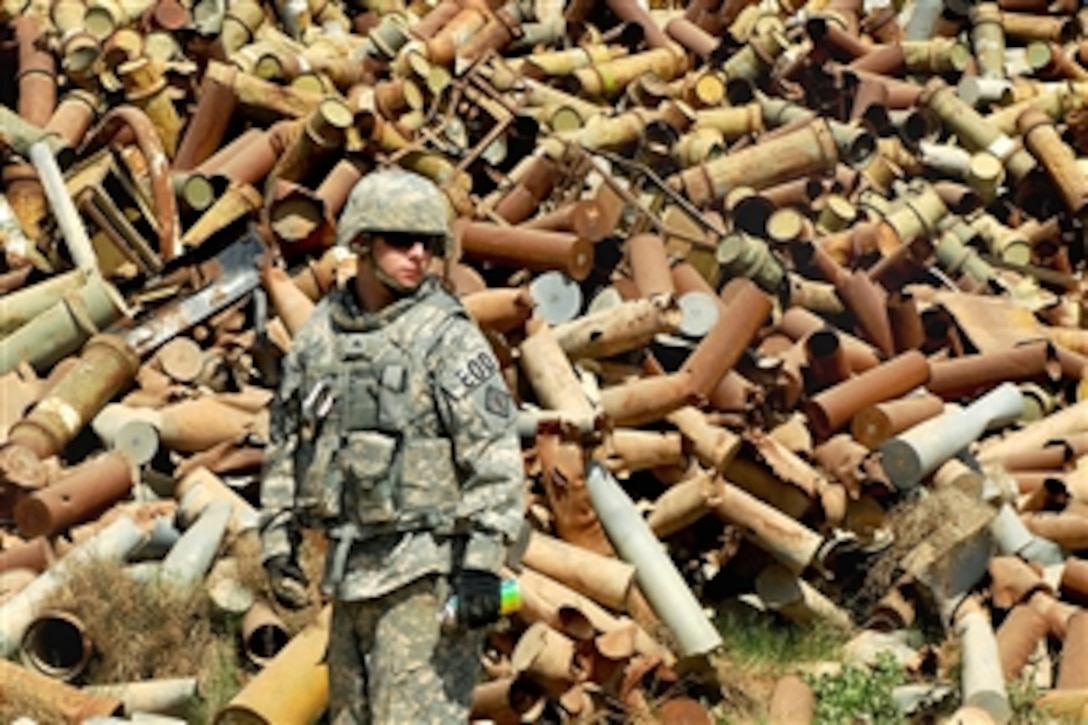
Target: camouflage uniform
<point>395,431</point>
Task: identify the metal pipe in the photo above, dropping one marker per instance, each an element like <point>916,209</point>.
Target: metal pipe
<point>81,492</point>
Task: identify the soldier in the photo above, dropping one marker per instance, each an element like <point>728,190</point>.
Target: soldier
<point>394,431</point>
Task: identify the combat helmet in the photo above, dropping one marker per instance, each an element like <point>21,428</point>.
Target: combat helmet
<point>394,201</point>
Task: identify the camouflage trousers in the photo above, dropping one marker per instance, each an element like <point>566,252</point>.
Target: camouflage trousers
<point>391,663</point>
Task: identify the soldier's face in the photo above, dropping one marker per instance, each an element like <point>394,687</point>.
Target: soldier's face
<point>404,259</point>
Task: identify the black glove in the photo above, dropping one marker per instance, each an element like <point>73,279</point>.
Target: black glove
<point>287,581</point>
<point>479,598</point>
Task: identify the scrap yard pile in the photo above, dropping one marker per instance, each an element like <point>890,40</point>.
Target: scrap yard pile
<point>788,294</point>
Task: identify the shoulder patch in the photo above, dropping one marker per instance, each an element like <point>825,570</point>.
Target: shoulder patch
<point>497,401</point>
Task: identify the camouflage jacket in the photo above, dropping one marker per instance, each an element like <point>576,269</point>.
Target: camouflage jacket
<point>453,423</point>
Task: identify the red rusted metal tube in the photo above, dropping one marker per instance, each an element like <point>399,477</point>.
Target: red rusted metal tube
<point>37,76</point>
<point>81,493</point>
<point>208,125</point>
<point>50,696</point>
<point>746,309</point>
<point>529,248</point>
<point>962,376</point>
<point>833,408</point>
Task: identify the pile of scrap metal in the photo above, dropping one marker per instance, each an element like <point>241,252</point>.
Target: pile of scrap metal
<point>759,274</point>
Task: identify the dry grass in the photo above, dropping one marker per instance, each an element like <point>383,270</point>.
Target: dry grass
<point>145,630</point>
<point>911,523</point>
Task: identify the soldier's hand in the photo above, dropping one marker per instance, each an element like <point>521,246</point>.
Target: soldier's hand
<point>479,597</point>
<point>287,581</point>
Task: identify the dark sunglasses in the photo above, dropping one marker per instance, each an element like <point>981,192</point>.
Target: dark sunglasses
<point>436,245</point>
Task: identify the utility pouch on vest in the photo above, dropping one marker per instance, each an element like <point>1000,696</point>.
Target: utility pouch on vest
<point>394,403</point>
<point>428,484</point>
<point>366,460</point>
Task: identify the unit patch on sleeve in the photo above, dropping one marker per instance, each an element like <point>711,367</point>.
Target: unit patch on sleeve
<point>497,401</point>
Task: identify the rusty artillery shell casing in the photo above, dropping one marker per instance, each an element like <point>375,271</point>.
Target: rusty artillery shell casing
<point>974,131</point>
<point>500,309</point>
<point>55,698</point>
<point>807,150</point>
<point>747,65</point>
<point>1001,241</point>
<point>640,450</point>
<point>1050,60</point>
<point>698,147</point>
<point>827,364</point>
<point>1027,27</point>
<point>874,424</point>
<point>322,133</point>
<point>1043,140</point>
<point>249,157</point>
<point>551,376</point>
<point>833,408</point>
<point>1022,629</point>
<point>73,116</point>
<point>207,126</point>
<point>106,366</point>
<point>963,375</point>
<point>496,34</point>
<point>649,262</point>
<point>33,556</point>
<point>1013,581</point>
<point>743,255</point>
<point>608,79</point>
<point>648,399</point>
<point>64,326</point>
<point>620,328</point>
<point>553,63</point>
<point>747,308</point>
<point>988,39</point>
<point>692,36</point>
<point>79,494</point>
<point>792,544</point>
<point>240,23</point>
<point>530,248</point>
<point>238,201</point>
<point>1074,649</point>
<point>145,86</point>
<point>733,122</point>
<point>37,74</point>
<point>797,322</point>
<point>534,184</point>
<point>442,47</point>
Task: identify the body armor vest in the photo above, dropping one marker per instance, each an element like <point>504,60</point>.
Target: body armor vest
<point>380,458</point>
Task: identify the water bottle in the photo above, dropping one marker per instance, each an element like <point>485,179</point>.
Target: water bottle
<point>510,602</point>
